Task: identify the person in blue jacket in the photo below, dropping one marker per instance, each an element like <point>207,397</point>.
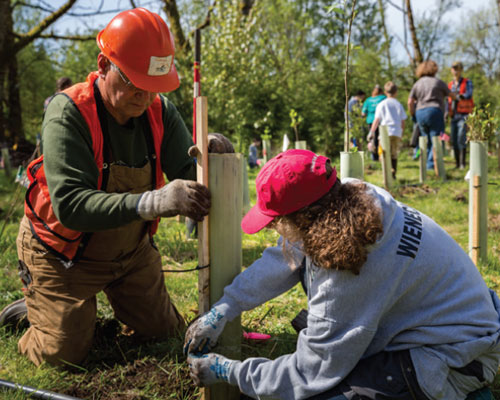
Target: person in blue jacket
<point>369,107</point>
<point>396,308</point>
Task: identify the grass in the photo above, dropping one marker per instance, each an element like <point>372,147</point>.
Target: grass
<point>120,368</point>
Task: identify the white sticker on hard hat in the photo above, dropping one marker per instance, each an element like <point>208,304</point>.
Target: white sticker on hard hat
<point>159,65</point>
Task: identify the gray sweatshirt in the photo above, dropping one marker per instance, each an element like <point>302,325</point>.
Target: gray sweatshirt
<point>418,290</point>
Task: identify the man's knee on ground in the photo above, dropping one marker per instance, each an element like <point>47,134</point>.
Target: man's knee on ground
<point>40,347</point>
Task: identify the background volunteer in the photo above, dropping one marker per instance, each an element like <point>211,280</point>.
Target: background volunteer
<point>458,110</point>
<point>412,322</point>
<point>390,113</point>
<point>369,107</point>
<point>426,104</point>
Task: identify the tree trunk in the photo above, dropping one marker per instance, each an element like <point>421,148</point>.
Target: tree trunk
<point>387,44</point>
<point>14,121</point>
<point>10,45</point>
<point>417,56</point>
<point>175,26</point>
<point>3,104</point>
<point>246,6</point>
<point>498,9</point>
<point>5,51</point>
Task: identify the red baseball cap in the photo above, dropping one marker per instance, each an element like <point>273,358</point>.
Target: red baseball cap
<point>288,182</point>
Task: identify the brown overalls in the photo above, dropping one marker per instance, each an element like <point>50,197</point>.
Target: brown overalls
<point>122,262</point>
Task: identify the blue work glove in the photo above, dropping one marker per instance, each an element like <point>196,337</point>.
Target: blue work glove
<point>202,334</point>
<point>207,369</point>
<point>414,118</point>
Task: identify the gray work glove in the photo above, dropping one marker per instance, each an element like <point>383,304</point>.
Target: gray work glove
<point>202,334</point>
<point>207,369</point>
<point>180,196</point>
<point>217,143</point>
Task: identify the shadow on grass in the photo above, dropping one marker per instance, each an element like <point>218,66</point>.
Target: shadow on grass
<point>120,367</point>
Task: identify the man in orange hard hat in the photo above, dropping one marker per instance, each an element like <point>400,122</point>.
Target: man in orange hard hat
<point>98,192</point>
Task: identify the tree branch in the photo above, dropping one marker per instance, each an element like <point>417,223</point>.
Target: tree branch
<point>79,38</point>
<point>346,77</point>
<point>416,46</point>
<point>175,25</point>
<point>412,61</point>
<point>396,6</point>
<point>387,44</point>
<point>47,8</point>
<point>35,33</point>
<point>206,22</point>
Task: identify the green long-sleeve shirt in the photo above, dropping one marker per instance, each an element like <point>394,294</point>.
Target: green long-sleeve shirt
<point>72,174</point>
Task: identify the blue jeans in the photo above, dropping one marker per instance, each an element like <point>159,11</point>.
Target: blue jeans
<point>459,133</point>
<point>431,123</point>
<point>385,375</point>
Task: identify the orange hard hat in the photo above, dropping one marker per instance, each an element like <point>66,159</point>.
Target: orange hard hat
<point>139,42</point>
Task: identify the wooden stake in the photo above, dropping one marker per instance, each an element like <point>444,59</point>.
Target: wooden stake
<point>478,201</point>
<point>385,143</point>
<point>203,226</point>
<point>476,219</point>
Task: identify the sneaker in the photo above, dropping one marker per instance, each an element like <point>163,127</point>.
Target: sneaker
<point>15,315</point>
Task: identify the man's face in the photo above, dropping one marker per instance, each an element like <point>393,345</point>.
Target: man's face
<point>122,99</point>
<point>456,72</point>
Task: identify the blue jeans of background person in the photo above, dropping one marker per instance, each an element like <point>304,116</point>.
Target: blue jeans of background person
<point>431,123</point>
<point>459,132</point>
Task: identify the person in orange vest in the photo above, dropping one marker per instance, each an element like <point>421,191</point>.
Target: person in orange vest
<point>458,110</point>
<point>97,193</point>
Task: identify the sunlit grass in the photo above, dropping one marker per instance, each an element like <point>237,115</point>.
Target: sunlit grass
<point>118,367</point>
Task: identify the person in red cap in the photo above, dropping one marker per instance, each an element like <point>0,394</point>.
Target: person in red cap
<point>390,314</point>
<point>98,192</point>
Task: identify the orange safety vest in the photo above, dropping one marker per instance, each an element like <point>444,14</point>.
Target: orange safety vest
<point>65,243</point>
<point>464,106</point>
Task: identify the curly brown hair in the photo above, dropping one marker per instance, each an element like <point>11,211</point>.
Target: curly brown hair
<point>426,68</point>
<point>337,229</point>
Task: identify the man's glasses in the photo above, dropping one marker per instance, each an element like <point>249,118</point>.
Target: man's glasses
<point>125,80</point>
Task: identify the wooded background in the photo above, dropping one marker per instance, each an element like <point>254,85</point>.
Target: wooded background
<point>261,59</point>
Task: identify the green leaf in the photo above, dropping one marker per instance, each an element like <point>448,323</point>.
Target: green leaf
<point>333,9</point>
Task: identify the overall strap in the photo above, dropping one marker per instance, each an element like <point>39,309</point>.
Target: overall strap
<point>106,148</point>
<point>148,135</point>
<point>106,162</point>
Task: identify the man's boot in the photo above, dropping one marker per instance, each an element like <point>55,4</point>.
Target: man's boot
<point>394,164</point>
<point>463,153</point>
<point>15,315</point>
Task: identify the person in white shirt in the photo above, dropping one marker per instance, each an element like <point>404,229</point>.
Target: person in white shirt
<point>390,113</point>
